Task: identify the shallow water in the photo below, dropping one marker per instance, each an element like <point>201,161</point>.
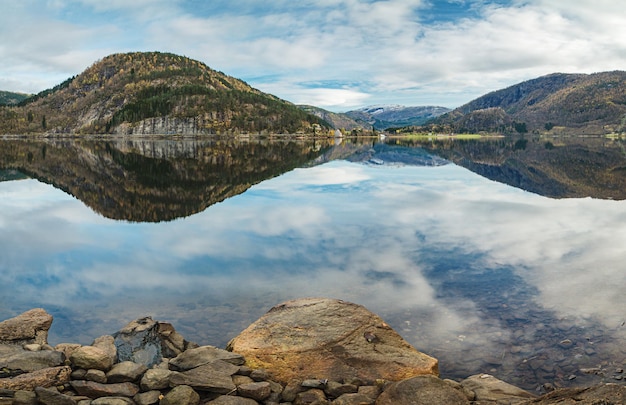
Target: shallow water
<point>486,277</point>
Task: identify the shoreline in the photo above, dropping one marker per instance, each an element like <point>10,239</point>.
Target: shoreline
<point>357,368</point>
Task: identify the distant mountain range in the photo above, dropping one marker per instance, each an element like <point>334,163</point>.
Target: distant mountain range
<point>163,93</point>
<point>11,98</point>
<point>388,116</point>
<point>379,117</point>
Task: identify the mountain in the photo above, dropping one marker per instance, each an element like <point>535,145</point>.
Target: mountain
<point>10,98</point>
<point>155,93</point>
<point>336,120</point>
<point>387,116</point>
<point>379,117</point>
<point>556,103</point>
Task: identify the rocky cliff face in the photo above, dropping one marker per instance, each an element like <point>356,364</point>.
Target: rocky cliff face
<point>163,125</point>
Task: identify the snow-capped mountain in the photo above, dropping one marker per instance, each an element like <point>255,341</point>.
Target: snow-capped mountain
<point>385,116</point>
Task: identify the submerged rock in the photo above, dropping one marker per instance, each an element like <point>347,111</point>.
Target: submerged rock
<point>329,339</point>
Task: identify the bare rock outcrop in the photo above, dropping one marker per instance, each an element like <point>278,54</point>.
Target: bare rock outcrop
<point>329,339</point>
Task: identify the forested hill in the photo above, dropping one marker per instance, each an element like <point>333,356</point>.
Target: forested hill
<point>10,98</point>
<point>155,93</point>
<point>572,103</point>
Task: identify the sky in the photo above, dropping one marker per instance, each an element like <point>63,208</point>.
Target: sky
<point>335,54</point>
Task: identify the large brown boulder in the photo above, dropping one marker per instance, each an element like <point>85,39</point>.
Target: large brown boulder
<point>30,327</point>
<point>329,339</point>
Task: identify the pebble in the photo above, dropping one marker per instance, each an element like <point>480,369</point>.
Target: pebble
<point>566,343</point>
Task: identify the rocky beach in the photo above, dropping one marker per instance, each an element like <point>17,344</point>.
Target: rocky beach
<point>306,351</point>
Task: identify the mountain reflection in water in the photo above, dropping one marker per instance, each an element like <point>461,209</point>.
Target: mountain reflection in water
<point>483,276</point>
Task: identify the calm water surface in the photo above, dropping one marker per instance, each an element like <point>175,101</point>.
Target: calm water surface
<point>483,276</point>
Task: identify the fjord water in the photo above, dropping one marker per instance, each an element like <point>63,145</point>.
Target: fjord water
<point>209,235</point>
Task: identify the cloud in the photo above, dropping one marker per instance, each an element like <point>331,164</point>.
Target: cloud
<point>395,51</point>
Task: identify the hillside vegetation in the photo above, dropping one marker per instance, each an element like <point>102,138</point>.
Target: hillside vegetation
<point>10,98</point>
<point>153,92</point>
<point>336,120</point>
<point>572,103</point>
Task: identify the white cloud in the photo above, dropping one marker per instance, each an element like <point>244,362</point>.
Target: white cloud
<point>380,49</point>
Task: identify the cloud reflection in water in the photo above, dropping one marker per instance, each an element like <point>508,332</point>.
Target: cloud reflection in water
<point>437,251</point>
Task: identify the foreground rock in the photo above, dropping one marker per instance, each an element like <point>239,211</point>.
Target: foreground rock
<point>604,394</point>
<point>95,375</point>
<point>28,328</point>
<point>147,341</point>
<point>329,339</point>
<point>422,390</point>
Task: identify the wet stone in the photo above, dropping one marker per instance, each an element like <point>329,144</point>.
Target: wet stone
<point>208,377</point>
<point>292,389</point>
<point>256,390</point>
<point>230,400</point>
<point>199,356</point>
<point>260,375</point>
<point>370,391</point>
<point>95,375</point>
<point>313,383</point>
<point>147,398</point>
<point>112,401</point>
<point>335,389</point>
<point>126,371</point>
<point>241,379</point>
<point>181,395</point>
<point>155,379</point>
<point>312,396</point>
<point>52,396</point>
<point>89,357</point>
<point>95,390</point>
<point>354,399</point>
